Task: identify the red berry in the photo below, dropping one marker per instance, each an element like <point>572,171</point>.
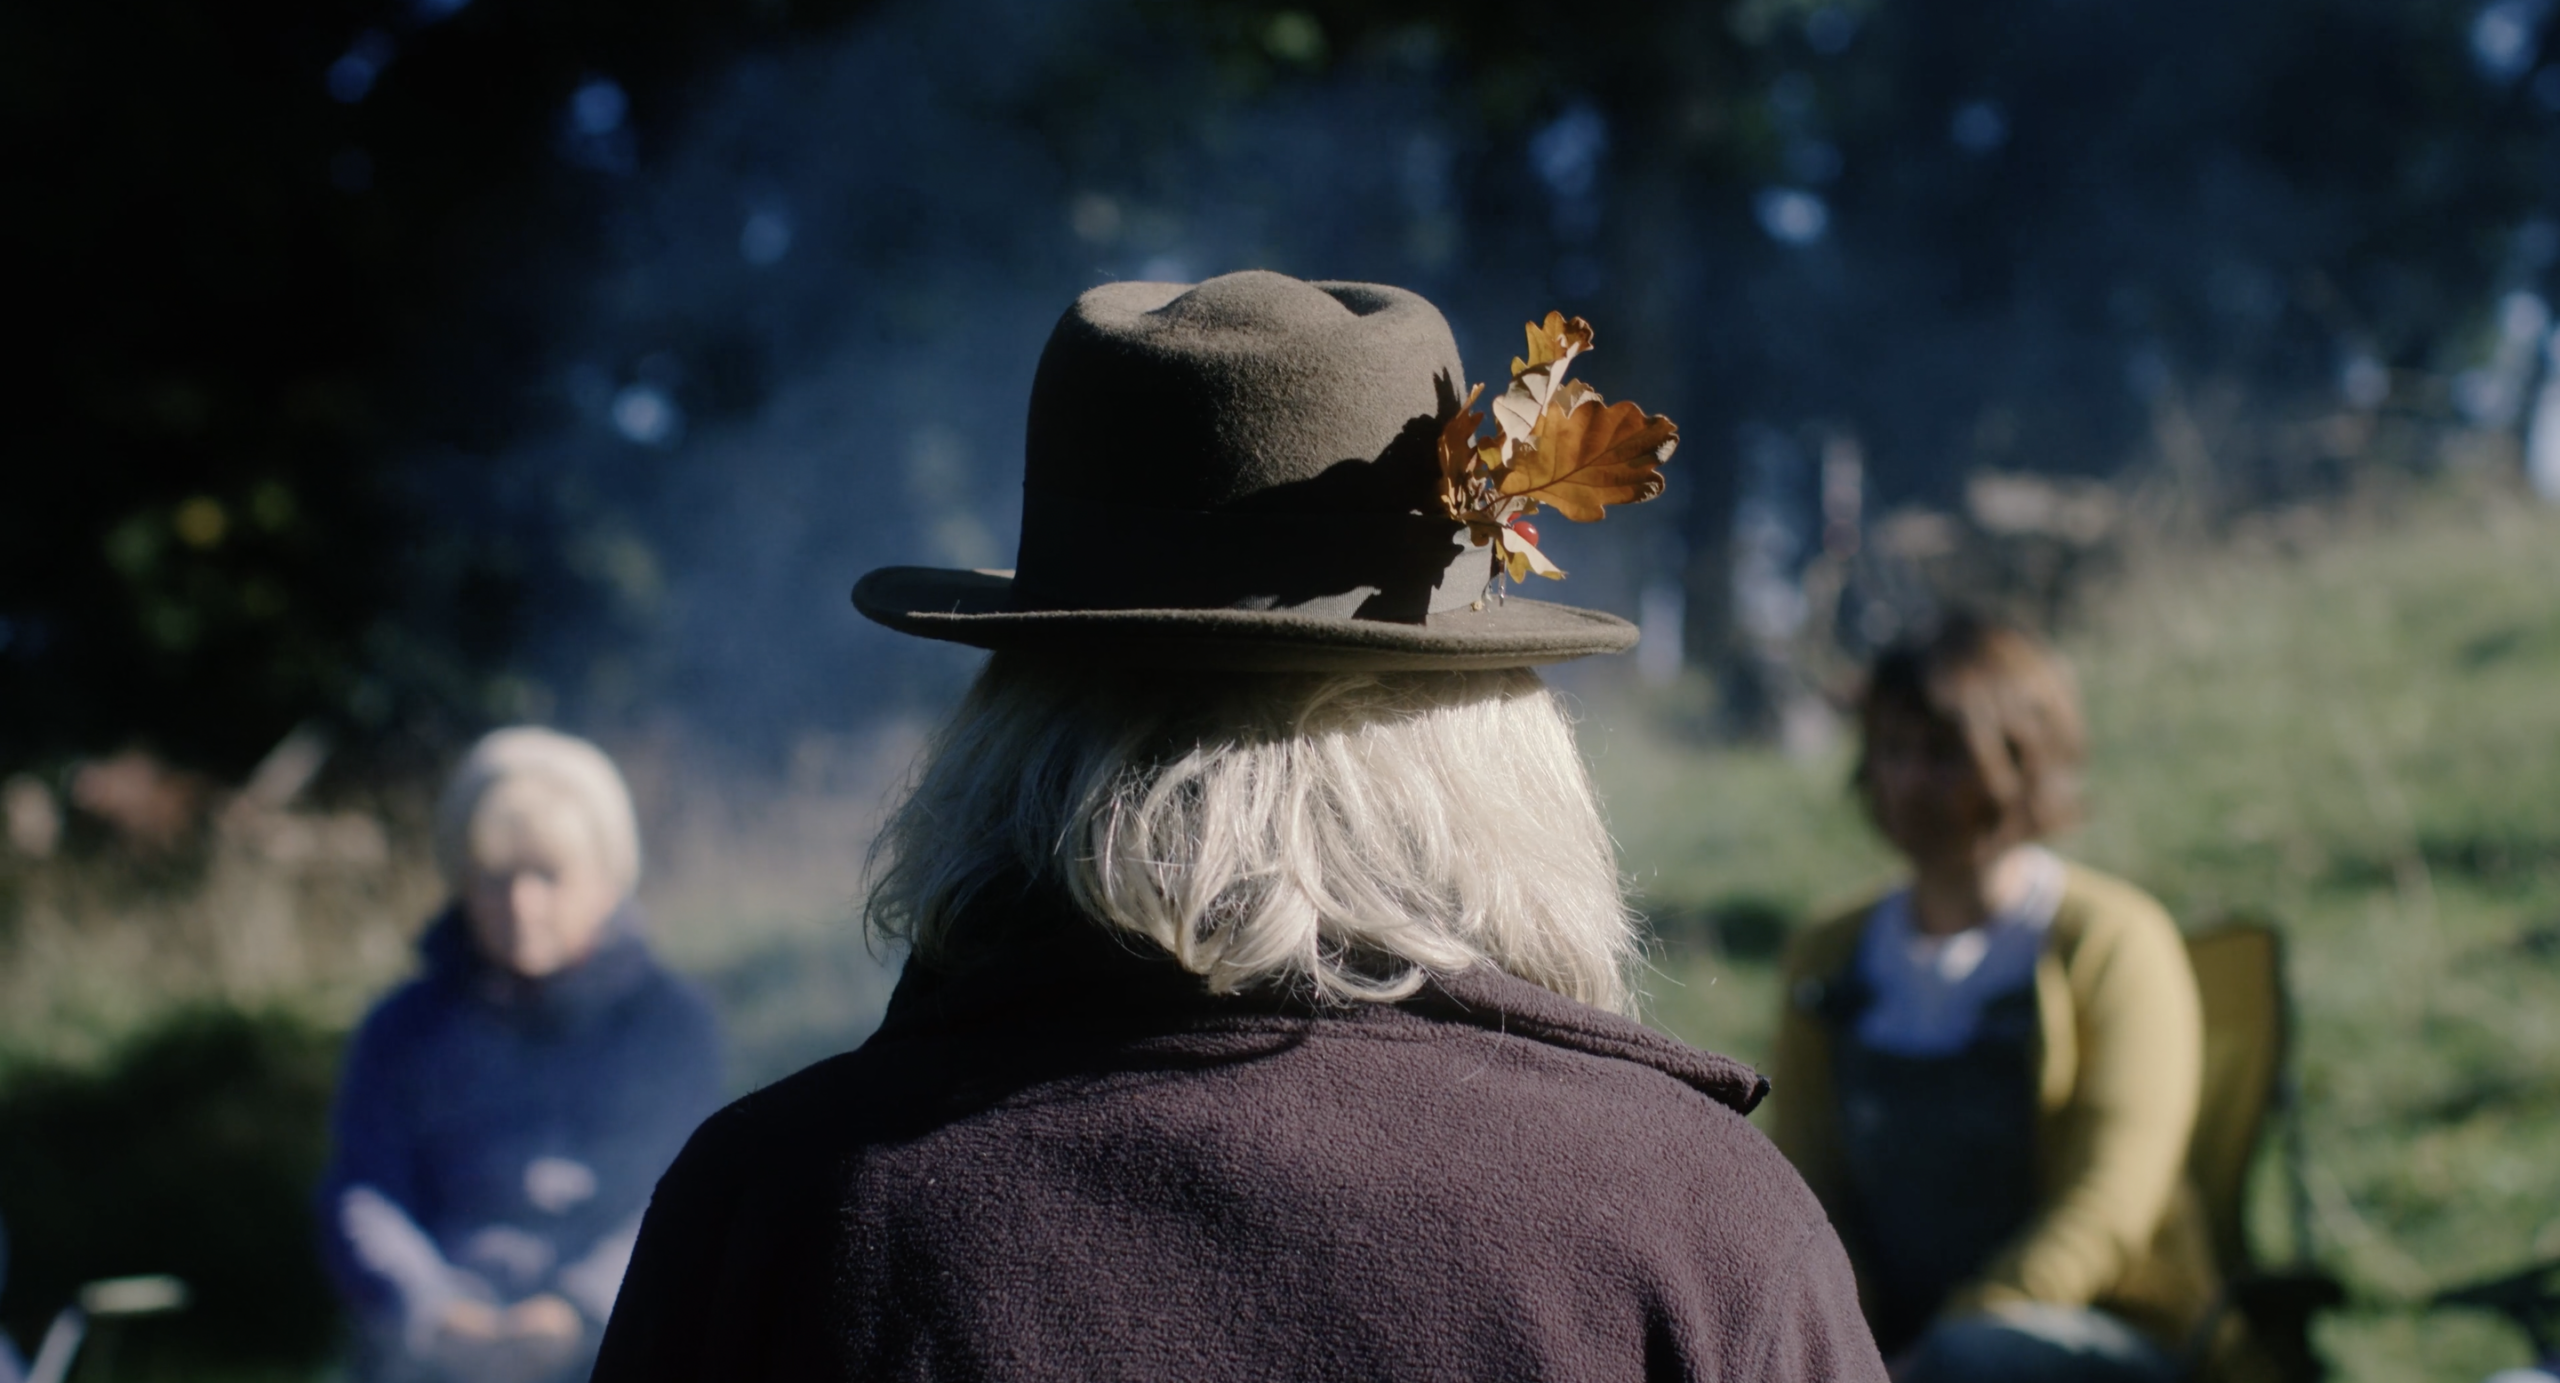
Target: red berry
<point>1527,530</point>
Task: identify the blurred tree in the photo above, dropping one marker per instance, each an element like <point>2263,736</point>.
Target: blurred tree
<point>298,278</point>
<point>261,249</point>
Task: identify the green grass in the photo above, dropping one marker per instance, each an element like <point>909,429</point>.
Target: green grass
<point>2354,730</point>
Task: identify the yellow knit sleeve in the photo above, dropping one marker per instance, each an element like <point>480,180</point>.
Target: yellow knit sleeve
<point>1804,1116</point>
<point>2114,1154</point>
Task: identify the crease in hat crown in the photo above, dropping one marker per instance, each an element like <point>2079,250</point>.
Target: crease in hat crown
<point>1241,473</point>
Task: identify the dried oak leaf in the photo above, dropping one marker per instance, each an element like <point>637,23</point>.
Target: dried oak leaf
<point>1583,459</point>
<point>1458,456</point>
<point>1534,381</point>
<point>1555,340</point>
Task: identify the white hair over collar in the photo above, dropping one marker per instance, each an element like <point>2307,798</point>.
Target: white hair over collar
<point>1349,830</point>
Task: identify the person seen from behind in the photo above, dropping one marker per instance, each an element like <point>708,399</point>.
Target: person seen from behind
<point>503,1116</point>
<point>1990,1075</point>
<point>1266,1009</point>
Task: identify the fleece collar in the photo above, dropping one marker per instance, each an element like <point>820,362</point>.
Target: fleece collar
<point>1078,976</point>
<point>1488,998</point>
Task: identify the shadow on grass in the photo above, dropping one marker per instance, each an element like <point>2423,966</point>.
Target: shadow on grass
<point>2513,643</point>
<point>193,1153</point>
<point>2489,858</point>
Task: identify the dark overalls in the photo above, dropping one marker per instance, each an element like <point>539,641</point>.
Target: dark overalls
<point>1940,1151</point>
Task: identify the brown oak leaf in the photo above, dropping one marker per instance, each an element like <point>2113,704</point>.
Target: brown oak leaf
<point>1459,476</point>
<point>1553,344</point>
<point>1555,340</point>
<point>1583,459</point>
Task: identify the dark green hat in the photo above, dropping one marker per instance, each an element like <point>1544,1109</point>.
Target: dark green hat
<point>1242,474</point>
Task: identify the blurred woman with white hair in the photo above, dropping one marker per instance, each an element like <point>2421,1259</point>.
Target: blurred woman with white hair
<point>502,1117</point>
<point>1265,1012</point>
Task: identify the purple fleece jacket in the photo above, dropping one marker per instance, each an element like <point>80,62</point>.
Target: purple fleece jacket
<point>1079,1165</point>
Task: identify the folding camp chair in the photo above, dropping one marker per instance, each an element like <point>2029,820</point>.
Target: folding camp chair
<point>2247,1030</point>
<point>106,1299</point>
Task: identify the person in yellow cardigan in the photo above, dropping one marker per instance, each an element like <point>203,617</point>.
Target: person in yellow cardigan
<point>1990,1075</point>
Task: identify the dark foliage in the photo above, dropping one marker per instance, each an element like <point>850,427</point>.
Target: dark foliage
<point>308,288</point>
<point>237,296</point>
<point>195,1154</point>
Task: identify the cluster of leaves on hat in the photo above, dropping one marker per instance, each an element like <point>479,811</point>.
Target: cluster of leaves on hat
<point>1555,445</point>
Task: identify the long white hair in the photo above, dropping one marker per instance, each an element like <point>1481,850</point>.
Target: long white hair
<point>1350,831</point>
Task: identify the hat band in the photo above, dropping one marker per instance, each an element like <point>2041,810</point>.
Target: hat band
<point>1078,555</point>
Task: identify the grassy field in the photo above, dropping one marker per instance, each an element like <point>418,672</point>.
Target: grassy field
<point>2349,724</point>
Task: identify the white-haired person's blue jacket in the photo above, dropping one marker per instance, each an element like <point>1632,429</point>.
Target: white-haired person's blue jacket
<point>503,1117</point>
<point>498,1137</point>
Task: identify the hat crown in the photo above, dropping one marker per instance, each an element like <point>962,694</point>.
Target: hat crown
<point>1183,397</point>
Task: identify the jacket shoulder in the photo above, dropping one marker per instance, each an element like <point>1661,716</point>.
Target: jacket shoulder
<point>770,1118</point>
<point>2098,909</point>
<point>730,1274</point>
<point>761,1157</point>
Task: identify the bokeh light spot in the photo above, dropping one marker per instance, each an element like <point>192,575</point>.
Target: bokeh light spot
<point>1294,36</point>
<point>2506,37</point>
<point>1791,215</point>
<point>645,414</point>
<point>1566,154</point>
<point>766,237</point>
<point>1978,127</point>
<point>2364,382</point>
<point>352,76</point>
<point>598,107</point>
<point>200,522</point>
<point>1094,218</point>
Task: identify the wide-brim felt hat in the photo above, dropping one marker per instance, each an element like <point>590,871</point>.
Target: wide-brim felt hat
<point>1243,474</point>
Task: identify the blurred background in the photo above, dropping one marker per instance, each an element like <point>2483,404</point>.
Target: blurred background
<point>394,369</point>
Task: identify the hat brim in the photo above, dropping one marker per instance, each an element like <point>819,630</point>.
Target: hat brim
<point>976,608</point>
